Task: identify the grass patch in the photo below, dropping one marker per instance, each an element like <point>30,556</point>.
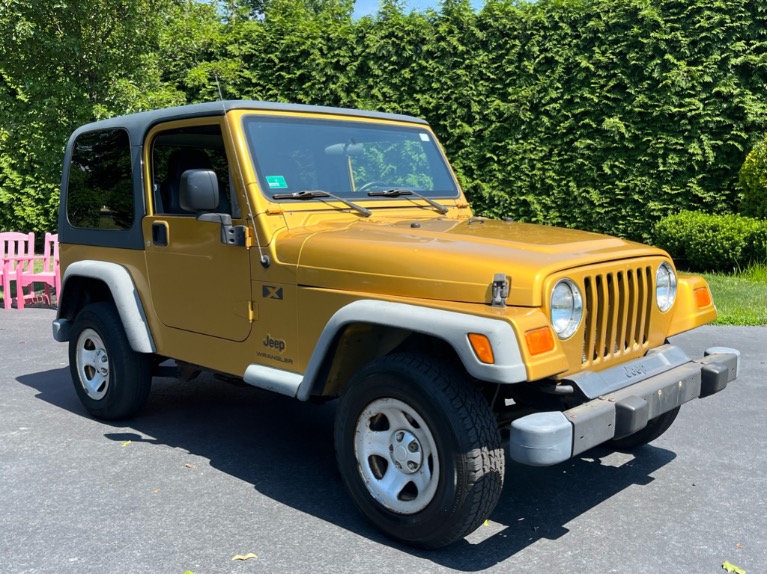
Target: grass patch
<point>740,298</point>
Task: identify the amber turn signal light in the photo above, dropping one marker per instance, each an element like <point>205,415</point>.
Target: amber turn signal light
<point>702,297</point>
<point>539,340</point>
<point>482,348</point>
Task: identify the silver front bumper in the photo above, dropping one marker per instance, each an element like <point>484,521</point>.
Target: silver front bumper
<point>625,398</point>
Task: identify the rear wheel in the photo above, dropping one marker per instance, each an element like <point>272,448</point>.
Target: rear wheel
<point>655,427</point>
<point>111,379</point>
<point>419,450</point>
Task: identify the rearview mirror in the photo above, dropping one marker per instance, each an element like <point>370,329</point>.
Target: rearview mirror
<point>347,149</point>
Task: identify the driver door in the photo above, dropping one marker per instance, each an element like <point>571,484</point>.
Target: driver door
<point>199,283</point>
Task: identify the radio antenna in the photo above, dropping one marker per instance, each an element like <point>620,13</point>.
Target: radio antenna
<point>218,85</point>
<point>263,258</point>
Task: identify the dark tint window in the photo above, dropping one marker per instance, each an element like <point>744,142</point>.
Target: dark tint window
<point>100,189</point>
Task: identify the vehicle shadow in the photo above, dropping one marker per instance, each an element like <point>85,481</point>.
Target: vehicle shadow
<point>285,450</point>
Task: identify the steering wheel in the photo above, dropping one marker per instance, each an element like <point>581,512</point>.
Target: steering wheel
<point>381,184</point>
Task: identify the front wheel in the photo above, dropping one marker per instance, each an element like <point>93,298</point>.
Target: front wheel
<point>111,379</point>
<point>419,450</point>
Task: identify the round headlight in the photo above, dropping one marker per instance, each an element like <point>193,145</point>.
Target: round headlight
<point>566,308</point>
<point>665,287</point>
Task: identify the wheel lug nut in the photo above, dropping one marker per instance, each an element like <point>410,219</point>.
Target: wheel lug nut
<point>398,465</point>
<point>413,447</point>
<point>411,465</point>
<point>400,436</point>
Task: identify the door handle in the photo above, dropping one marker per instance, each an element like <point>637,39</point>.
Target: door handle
<point>160,234</point>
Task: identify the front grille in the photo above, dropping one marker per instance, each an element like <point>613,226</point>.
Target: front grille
<point>617,306</point>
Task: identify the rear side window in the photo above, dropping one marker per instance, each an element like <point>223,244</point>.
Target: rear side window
<point>100,187</point>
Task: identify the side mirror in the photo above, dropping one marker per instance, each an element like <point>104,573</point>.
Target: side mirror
<point>199,193</point>
<point>198,190</point>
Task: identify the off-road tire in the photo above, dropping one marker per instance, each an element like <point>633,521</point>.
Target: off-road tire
<point>111,379</point>
<point>412,397</point>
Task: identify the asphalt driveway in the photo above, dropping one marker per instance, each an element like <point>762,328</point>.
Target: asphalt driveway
<point>211,470</point>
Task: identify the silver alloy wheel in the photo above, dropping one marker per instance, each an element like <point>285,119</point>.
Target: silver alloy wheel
<point>92,364</point>
<point>396,455</point>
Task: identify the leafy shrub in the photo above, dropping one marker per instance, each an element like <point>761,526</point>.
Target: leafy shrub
<point>704,242</point>
<point>753,181</point>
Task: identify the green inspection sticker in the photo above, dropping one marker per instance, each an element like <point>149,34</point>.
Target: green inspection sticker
<point>276,182</point>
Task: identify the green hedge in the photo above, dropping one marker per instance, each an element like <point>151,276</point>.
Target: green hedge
<point>703,242</point>
<point>753,181</point>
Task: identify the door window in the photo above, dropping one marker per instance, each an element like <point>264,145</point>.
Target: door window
<point>178,150</point>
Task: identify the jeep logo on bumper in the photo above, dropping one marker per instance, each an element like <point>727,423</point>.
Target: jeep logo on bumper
<point>635,370</point>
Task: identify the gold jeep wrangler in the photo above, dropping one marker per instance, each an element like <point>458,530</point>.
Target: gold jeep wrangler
<point>327,253</point>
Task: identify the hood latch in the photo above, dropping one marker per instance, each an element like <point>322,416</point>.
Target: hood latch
<point>500,290</point>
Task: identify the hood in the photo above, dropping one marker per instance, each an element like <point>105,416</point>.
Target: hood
<point>446,259</point>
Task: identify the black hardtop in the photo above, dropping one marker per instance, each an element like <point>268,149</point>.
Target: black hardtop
<point>139,123</point>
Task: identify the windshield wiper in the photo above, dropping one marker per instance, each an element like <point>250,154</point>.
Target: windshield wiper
<point>397,192</point>
<point>313,193</point>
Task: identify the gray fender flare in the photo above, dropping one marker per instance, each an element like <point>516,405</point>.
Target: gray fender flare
<point>448,325</point>
<point>126,299</point>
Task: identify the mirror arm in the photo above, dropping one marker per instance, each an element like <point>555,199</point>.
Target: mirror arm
<point>230,234</point>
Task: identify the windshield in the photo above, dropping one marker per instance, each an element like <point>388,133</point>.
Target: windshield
<point>345,158</point>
